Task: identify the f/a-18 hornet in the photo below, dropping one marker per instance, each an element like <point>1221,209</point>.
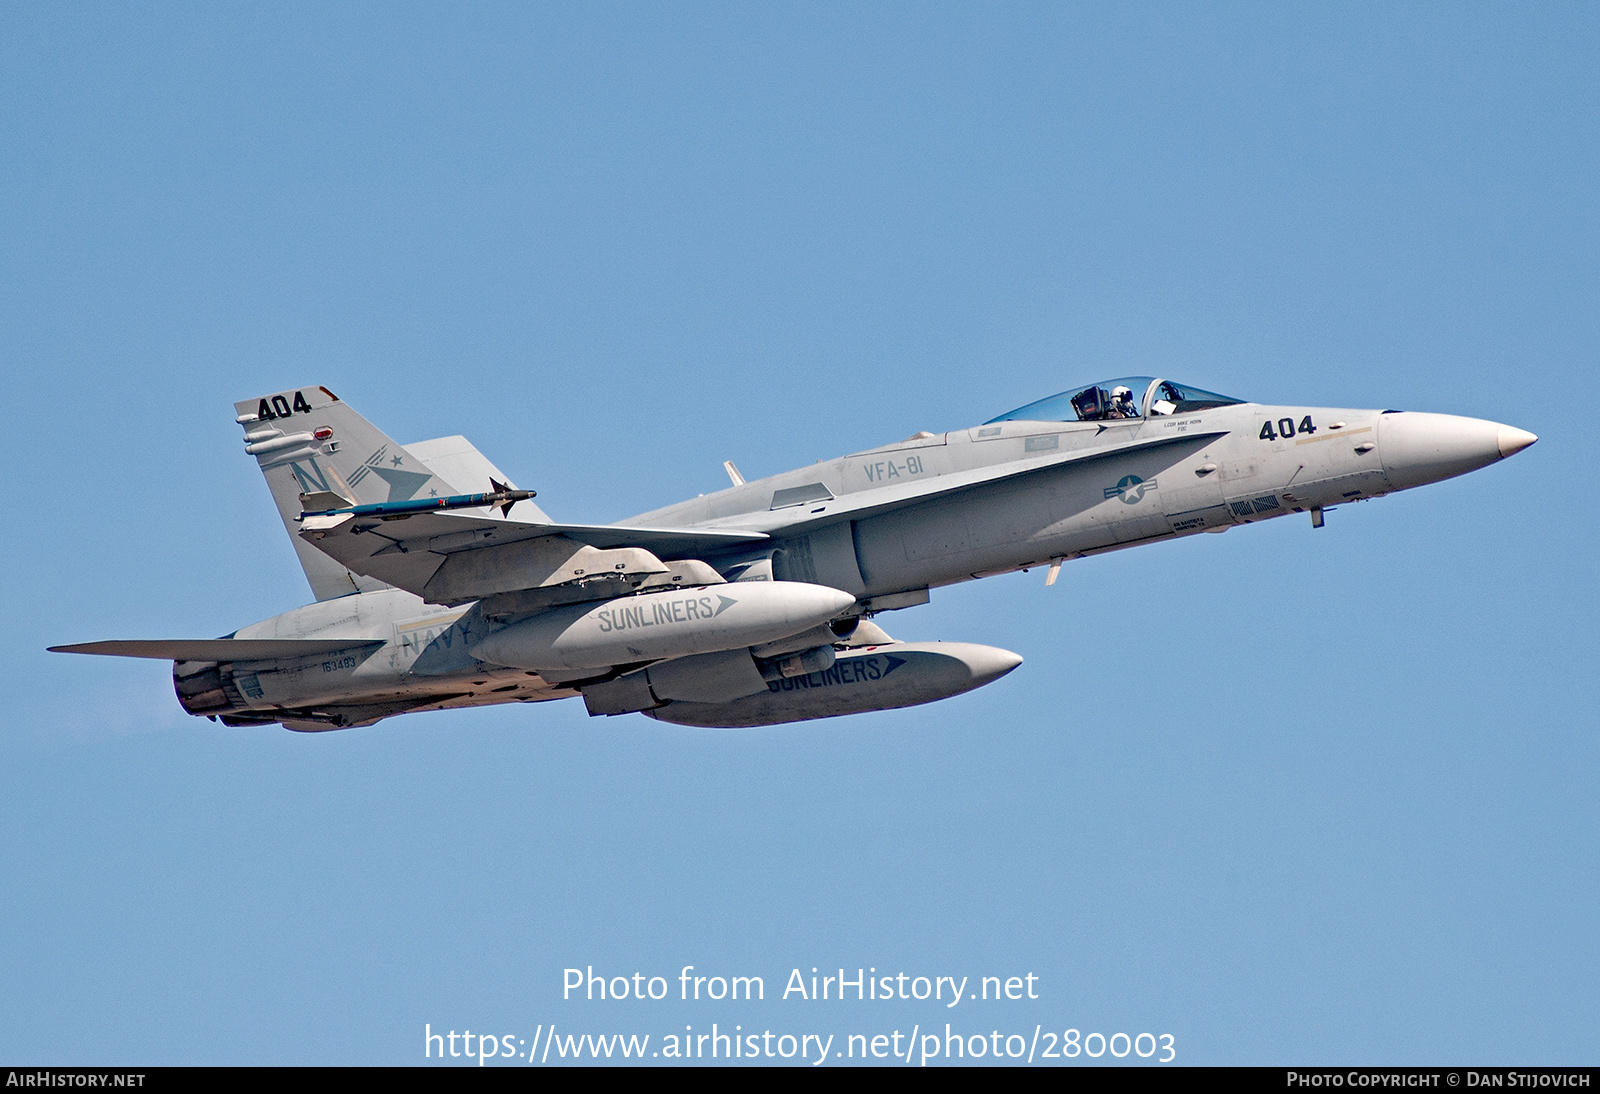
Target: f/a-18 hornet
<point>752,606</point>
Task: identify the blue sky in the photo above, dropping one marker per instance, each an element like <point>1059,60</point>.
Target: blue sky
<point>1287,796</point>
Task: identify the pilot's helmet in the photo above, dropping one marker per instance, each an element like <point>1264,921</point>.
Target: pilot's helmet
<point>1121,393</point>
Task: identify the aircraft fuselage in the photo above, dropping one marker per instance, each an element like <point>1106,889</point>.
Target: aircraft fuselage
<point>888,524</point>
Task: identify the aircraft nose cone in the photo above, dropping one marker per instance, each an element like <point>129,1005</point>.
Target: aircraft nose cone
<point>1514,440</point>
<point>1421,448</point>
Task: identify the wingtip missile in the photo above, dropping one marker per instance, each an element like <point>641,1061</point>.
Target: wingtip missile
<point>501,496</point>
<point>499,489</point>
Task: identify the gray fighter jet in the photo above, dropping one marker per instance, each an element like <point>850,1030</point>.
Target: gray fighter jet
<point>752,606</point>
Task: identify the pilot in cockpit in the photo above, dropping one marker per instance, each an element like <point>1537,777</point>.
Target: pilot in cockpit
<point>1119,399</point>
<point>1122,405</point>
<point>1094,405</point>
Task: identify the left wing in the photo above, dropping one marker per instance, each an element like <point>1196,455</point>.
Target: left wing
<point>448,558</point>
<point>218,649</point>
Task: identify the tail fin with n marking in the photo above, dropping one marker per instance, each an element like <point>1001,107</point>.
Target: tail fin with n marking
<point>309,442</point>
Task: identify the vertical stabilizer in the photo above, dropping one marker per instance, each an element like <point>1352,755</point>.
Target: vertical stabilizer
<point>307,441</point>
<point>468,471</point>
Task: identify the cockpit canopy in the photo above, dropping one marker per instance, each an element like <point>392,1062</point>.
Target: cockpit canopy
<point>1110,400</point>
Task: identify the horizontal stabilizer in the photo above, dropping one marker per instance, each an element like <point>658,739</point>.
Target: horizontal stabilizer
<point>219,649</point>
<point>320,501</point>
